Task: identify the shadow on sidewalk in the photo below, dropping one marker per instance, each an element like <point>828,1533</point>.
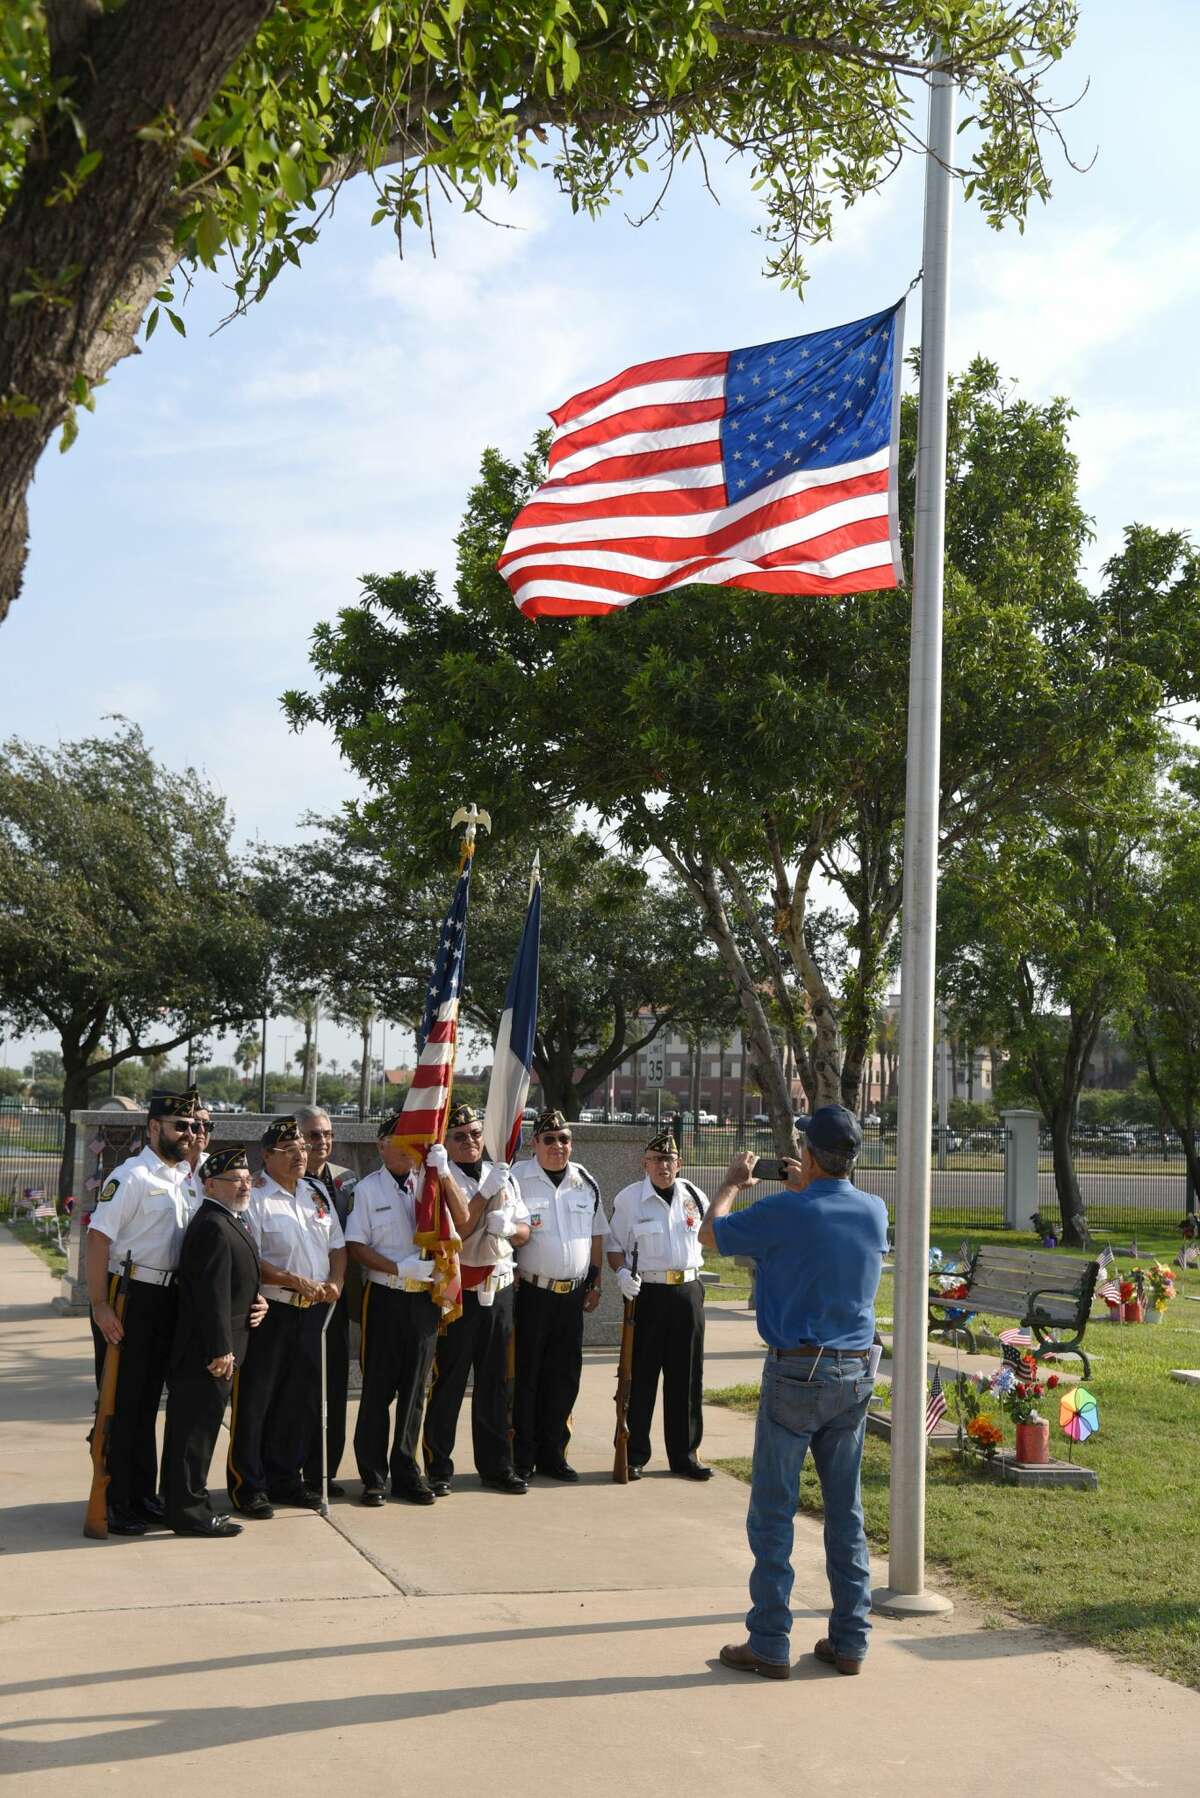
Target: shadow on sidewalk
<point>481,1638</point>
<point>151,1732</point>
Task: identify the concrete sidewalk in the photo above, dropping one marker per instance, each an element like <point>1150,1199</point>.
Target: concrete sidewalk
<point>565,1643</point>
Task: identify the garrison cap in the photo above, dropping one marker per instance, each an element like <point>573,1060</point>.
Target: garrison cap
<point>279,1131</point>
<point>663,1143</point>
<point>462,1115</point>
<point>550,1119</point>
<point>173,1105</point>
<point>229,1160</point>
<point>387,1125</point>
<point>832,1127</point>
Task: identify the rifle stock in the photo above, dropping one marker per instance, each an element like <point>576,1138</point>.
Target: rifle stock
<point>624,1382</point>
<point>95,1523</point>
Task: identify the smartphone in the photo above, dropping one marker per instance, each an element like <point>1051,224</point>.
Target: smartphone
<point>765,1168</point>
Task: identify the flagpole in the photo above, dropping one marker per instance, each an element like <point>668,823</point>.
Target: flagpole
<point>905,1594</point>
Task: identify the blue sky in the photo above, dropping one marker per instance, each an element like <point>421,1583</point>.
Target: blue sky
<point>231,488</point>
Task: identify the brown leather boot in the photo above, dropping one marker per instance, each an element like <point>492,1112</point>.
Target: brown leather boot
<point>743,1657</point>
<point>826,1652</point>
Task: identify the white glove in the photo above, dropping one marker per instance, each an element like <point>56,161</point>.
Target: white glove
<point>437,1158</point>
<point>498,1223</point>
<point>493,1180</point>
<point>629,1282</point>
<point>415,1267</point>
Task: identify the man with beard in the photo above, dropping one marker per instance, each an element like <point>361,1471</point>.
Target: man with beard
<point>337,1183</point>
<point>218,1306</point>
<point>478,1342</point>
<point>277,1395</point>
<point>660,1216</point>
<point>143,1211</point>
<point>559,1267</point>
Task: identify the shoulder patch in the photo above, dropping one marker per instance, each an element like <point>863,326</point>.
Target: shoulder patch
<point>260,1180</point>
<point>699,1197</point>
<point>107,1190</point>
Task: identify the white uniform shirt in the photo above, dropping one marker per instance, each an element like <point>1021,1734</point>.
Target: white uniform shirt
<point>666,1235</point>
<point>384,1219</point>
<point>195,1184</point>
<point>562,1221</point>
<point>144,1209</point>
<point>294,1232</point>
<point>482,1249</point>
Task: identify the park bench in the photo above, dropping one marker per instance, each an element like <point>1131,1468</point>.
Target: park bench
<point>1048,1293</point>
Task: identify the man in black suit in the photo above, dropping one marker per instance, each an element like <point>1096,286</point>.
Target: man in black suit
<point>218,1306</point>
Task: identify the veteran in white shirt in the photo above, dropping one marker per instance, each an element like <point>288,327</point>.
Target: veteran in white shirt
<point>654,1246</point>
<point>276,1414</point>
<point>559,1280</point>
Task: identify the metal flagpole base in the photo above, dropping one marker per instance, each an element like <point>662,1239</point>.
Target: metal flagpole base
<point>886,1602</point>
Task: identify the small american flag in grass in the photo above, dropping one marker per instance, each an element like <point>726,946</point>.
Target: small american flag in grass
<point>936,1406</point>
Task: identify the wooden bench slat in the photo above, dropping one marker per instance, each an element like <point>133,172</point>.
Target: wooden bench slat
<point>1004,1282</point>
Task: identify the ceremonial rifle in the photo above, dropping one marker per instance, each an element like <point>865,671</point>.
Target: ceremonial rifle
<point>95,1524</point>
<point>624,1382</point>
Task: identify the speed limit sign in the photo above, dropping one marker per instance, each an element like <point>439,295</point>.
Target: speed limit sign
<point>654,1069</point>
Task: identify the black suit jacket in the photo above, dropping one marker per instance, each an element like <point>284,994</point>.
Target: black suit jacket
<point>218,1278</point>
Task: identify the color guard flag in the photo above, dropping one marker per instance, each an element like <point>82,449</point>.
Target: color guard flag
<point>422,1120</point>
<point>772,468</point>
<point>512,1057</point>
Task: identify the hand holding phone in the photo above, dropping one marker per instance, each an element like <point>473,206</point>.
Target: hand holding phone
<point>768,1167</point>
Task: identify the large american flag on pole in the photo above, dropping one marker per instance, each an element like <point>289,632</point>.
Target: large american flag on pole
<point>772,468</point>
<point>422,1119</point>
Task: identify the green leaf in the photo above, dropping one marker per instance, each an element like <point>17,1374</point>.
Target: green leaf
<point>176,321</point>
<point>209,236</point>
<point>291,180</point>
<point>152,324</point>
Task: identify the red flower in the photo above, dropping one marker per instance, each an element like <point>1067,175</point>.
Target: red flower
<point>1052,1382</point>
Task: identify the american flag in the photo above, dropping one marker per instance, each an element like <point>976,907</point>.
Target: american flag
<point>422,1119</point>
<point>1105,1258</point>
<point>1017,1337</point>
<point>1110,1291</point>
<point>936,1406</point>
<point>772,468</point>
<point>1015,1359</point>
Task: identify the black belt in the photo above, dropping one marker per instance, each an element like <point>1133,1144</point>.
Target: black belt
<point>812,1351</point>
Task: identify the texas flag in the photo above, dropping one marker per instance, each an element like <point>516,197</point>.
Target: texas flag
<point>512,1057</point>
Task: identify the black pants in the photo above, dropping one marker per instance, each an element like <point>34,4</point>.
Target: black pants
<point>478,1343</point>
<point>668,1339</point>
<point>150,1313</point>
<point>276,1416</point>
<point>399,1335</point>
<point>337,1385</point>
<point>195,1406</point>
<point>549,1365</point>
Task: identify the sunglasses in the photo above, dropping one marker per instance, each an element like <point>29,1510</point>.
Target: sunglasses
<point>473,1135</point>
<point>556,1140</point>
<point>184,1126</point>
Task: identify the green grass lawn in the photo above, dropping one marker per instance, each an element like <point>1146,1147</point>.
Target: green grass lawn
<point>45,1246</point>
<point>1119,1567</point>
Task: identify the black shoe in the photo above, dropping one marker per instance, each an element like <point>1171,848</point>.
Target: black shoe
<point>150,1510</point>
<point>215,1526</point>
<point>635,1473</point>
<point>373,1496</point>
<point>440,1488</point>
<point>314,1485</point>
<point>524,1473</point>
<point>258,1507</point>
<point>505,1482</point>
<point>299,1496</point>
<point>336,1489</point>
<point>558,1470</point>
<point>692,1470</point>
<point>125,1523</point>
<point>415,1495</point>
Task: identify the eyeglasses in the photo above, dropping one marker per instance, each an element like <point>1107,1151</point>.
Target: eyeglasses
<point>474,1134</point>
<point>183,1126</point>
<point>318,1135</point>
<point>556,1140</point>
<point>203,1127</point>
<point>233,1180</point>
<point>660,1155</point>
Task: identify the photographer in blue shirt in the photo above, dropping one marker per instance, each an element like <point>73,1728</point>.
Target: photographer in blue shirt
<point>818,1250</point>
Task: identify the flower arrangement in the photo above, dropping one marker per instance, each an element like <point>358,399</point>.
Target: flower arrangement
<point>1021,1400</point>
<point>985,1433</point>
<point>1161,1281</point>
<point>1046,1228</point>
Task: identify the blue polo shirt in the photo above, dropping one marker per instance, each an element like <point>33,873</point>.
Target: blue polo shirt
<point>818,1254</point>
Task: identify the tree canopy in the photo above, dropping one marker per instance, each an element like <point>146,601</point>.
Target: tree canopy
<point>135,137</point>
<point>126,924</point>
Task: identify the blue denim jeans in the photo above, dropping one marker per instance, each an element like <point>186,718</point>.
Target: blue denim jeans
<point>822,1406</point>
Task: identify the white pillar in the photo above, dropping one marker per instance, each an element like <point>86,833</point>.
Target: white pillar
<point>1020,1167</point>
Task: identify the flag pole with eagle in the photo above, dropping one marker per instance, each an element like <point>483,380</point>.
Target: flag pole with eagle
<point>422,1119</point>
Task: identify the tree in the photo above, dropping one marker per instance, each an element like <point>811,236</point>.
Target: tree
<point>755,746</point>
<point>135,137</point>
<point>1042,934</point>
<point>1166,1021</point>
<point>121,906</point>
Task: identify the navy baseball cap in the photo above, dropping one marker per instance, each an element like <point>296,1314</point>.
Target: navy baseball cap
<point>831,1127</point>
